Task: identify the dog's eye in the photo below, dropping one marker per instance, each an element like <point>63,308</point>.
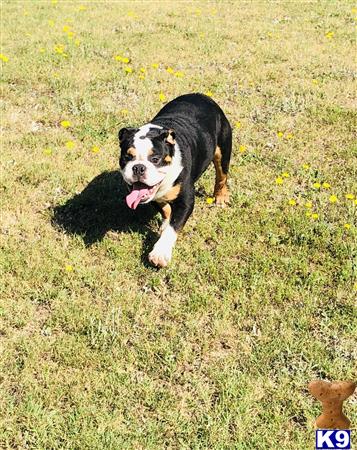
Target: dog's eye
<point>155,159</point>
<point>127,157</point>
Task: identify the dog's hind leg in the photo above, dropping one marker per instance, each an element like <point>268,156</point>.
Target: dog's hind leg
<point>221,161</point>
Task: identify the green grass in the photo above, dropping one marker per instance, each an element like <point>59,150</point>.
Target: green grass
<point>215,351</point>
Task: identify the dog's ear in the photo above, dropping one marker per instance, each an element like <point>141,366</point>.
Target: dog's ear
<point>124,133</point>
<point>170,138</point>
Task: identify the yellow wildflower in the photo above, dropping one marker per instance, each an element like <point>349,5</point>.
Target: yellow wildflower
<point>314,216</point>
<point>308,214</point>
<point>70,34</point>
<point>66,28</point>
<point>142,69</point>
<point>347,226</point>
<point>122,59</point>
<point>289,136</point>
<point>142,77</point>
<point>169,70</point>
<point>242,148</point>
<point>132,14</point>
<point>317,185</point>
<point>280,134</point>
<point>47,151</point>
<point>128,69</point>
<point>162,97</point>
<point>209,200</point>
<point>65,123</point>
<point>68,268</point>
<point>292,202</point>
<point>314,81</point>
<point>333,199</point>
<point>306,166</point>
<point>95,149</point>
<point>82,8</point>
<point>237,124</point>
<point>285,175</point>
<point>279,180</point>
<point>349,196</point>
<point>59,49</point>
<point>209,93</point>
<point>124,112</point>
<point>4,58</point>
<point>308,204</point>
<point>355,201</point>
<point>179,74</point>
<point>155,65</point>
<point>70,145</point>
<point>330,35</point>
<point>326,185</point>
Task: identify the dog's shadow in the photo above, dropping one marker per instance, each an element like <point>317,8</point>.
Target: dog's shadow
<point>100,208</point>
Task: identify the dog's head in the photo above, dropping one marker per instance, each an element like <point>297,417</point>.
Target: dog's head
<point>145,160</point>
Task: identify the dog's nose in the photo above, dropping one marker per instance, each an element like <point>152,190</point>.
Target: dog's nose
<point>139,169</point>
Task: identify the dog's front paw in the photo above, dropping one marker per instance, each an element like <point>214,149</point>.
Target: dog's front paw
<point>160,256</point>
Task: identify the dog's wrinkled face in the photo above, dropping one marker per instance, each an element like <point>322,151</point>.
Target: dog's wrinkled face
<point>145,160</point>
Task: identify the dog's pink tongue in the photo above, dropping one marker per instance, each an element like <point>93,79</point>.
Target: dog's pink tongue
<point>133,199</point>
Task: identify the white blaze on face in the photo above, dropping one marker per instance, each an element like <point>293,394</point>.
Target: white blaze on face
<point>143,146</point>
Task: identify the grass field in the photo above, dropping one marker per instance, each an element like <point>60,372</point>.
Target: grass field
<point>98,350</point>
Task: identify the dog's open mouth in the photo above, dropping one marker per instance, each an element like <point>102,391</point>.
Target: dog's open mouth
<point>140,193</point>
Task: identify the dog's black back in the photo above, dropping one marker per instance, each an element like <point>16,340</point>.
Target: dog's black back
<point>200,126</point>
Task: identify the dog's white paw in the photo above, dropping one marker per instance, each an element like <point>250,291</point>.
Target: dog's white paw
<point>161,254</point>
